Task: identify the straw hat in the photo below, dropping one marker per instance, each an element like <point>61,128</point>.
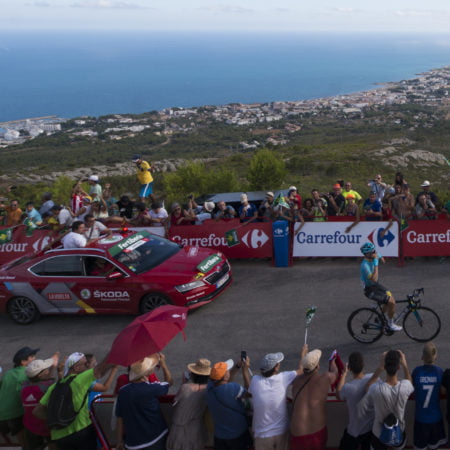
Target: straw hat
<point>143,367</point>
<point>201,367</point>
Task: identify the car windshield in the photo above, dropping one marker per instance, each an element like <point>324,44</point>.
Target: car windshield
<point>143,251</point>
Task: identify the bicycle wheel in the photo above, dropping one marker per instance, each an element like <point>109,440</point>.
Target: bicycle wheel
<point>365,325</point>
<point>422,324</point>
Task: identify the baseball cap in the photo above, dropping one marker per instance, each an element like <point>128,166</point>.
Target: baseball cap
<point>136,158</point>
<point>337,186</point>
<point>37,366</point>
<point>71,361</point>
<point>311,360</point>
<point>350,196</point>
<point>23,354</point>
<point>209,206</point>
<point>426,183</point>
<point>93,178</point>
<point>269,194</point>
<point>244,198</point>
<point>219,369</point>
<point>292,188</point>
<point>270,361</point>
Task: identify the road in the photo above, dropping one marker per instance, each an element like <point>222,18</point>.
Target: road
<point>262,311</point>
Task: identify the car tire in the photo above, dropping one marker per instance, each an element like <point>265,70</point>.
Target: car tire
<point>23,310</point>
<point>151,301</point>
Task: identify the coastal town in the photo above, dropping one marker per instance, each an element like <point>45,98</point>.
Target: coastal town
<point>429,89</point>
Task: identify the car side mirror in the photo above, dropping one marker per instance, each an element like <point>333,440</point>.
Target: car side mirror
<point>114,275</point>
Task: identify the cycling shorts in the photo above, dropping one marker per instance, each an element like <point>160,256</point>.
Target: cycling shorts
<point>378,293</point>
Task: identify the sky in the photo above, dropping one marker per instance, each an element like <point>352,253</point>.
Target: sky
<point>228,15</point>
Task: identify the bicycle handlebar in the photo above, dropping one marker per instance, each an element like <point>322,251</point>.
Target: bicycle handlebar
<point>418,291</point>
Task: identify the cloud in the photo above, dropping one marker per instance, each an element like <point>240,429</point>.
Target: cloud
<point>39,4</point>
<point>107,4</point>
<point>342,10</point>
<point>226,9</point>
<point>413,13</point>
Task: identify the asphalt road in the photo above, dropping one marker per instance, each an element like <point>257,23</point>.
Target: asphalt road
<point>262,311</point>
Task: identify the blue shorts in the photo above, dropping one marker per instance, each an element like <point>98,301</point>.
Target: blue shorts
<point>429,435</point>
<point>146,190</point>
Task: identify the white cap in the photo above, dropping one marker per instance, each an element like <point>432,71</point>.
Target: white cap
<point>34,368</point>
<point>93,178</point>
<point>209,206</point>
<point>426,183</point>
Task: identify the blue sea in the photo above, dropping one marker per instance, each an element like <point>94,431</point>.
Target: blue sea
<point>96,73</point>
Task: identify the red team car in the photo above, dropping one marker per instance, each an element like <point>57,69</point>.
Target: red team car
<point>129,275</point>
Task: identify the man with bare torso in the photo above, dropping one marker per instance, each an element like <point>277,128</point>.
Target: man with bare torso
<point>309,393</point>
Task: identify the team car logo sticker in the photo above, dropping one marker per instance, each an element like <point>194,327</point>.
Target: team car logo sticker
<point>85,294</point>
<point>58,296</point>
<point>112,296</point>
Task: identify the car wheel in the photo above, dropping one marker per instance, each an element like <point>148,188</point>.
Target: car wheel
<point>23,310</point>
<point>152,301</point>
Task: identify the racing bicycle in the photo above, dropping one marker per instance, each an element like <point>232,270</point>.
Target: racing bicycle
<point>420,323</point>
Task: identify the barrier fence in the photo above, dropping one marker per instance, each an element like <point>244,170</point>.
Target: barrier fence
<point>261,239</point>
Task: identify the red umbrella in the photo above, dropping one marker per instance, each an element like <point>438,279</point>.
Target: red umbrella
<point>147,334</point>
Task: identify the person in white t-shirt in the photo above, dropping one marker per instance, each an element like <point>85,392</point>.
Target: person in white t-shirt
<point>76,238</point>
<point>158,215</point>
<point>357,433</point>
<point>95,229</point>
<point>270,414</point>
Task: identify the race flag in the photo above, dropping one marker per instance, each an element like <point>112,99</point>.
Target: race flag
<point>30,226</point>
<point>6,235</point>
<point>403,224</point>
<point>232,238</point>
<point>281,201</point>
<point>310,312</point>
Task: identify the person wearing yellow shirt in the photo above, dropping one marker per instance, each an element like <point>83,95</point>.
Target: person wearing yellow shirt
<point>144,175</point>
<point>348,190</point>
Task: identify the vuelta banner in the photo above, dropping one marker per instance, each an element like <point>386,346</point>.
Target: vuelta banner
<point>330,239</point>
<point>21,244</point>
<point>426,238</point>
<point>253,240</point>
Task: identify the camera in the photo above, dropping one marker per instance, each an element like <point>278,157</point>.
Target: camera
<point>243,355</point>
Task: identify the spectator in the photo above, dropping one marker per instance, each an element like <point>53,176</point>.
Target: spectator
<point>179,216</point>
<point>109,199</point>
<point>429,431</point>
<point>142,218</point>
<point>294,197</point>
<point>336,201</point>
<point>96,386</point>
<point>95,191</point>
<point>266,210</point>
<point>426,191</point>
<point>224,211</point>
<point>11,409</point>
<point>145,178</point>
<point>399,180</point>
<point>95,229</point>
<point>63,216</point>
<point>76,237</point>
<point>377,186</point>
<point>188,431</point>
<point>351,210</point>
<point>76,202</point>
<point>158,215</point>
<point>138,411</point>
<point>320,207</point>
<point>307,211</point>
<point>317,196</point>
<point>85,208</point>
<point>33,214</point>
<point>13,214</point>
<point>47,204</point>
<point>80,434</point>
<point>125,207</point>
<point>224,398</point>
<point>358,429</point>
<point>348,190</point>
<point>372,208</point>
<point>270,414</point>
<point>124,379</point>
<point>247,211</point>
<point>425,209</point>
<point>402,202</point>
<point>308,422</point>
<point>41,375</point>
<point>387,397</point>
<point>200,213</point>
<point>100,209</point>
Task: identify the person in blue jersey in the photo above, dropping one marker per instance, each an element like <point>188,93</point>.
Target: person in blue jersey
<point>429,429</point>
<point>374,290</point>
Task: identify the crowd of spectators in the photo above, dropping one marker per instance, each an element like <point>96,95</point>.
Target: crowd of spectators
<point>274,409</point>
<point>380,202</point>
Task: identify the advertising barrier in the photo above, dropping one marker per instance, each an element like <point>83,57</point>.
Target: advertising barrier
<point>426,238</point>
<point>234,239</point>
<point>320,239</point>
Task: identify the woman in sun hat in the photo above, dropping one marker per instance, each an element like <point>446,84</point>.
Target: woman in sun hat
<point>188,431</point>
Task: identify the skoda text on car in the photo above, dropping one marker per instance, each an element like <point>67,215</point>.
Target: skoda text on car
<point>122,276</point>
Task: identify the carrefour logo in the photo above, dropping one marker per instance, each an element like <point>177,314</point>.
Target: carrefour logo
<point>381,237</point>
<point>255,238</point>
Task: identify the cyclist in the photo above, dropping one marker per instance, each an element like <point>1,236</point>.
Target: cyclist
<point>373,289</point>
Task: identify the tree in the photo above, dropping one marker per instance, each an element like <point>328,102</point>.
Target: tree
<point>266,171</point>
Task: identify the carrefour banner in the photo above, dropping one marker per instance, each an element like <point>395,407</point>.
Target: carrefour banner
<point>330,238</point>
<point>234,239</point>
<point>426,238</point>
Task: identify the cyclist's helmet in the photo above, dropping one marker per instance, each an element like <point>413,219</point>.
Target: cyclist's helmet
<point>368,247</point>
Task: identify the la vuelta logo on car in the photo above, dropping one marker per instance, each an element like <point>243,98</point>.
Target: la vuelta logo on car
<point>112,296</point>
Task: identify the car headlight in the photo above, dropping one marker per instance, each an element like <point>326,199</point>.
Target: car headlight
<point>189,286</point>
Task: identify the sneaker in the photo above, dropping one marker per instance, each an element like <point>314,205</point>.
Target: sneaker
<point>394,327</point>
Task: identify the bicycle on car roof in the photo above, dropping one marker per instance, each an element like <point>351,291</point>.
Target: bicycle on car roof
<point>420,323</point>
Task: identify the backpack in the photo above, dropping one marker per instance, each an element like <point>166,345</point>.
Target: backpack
<point>60,409</point>
<point>391,433</point>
